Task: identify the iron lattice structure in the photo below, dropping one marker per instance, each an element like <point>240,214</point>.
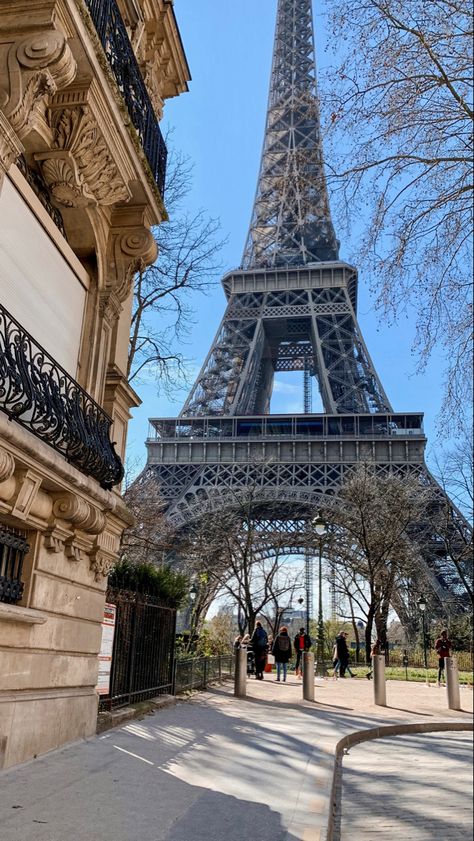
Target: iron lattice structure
<point>290,307</point>
<point>291,222</point>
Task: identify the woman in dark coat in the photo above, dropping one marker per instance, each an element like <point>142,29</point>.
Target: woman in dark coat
<point>259,643</point>
<point>281,650</point>
<point>342,652</point>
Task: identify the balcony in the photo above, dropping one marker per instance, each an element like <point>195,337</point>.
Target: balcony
<point>36,392</point>
<point>121,58</point>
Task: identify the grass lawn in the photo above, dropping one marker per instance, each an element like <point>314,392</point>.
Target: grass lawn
<point>419,675</point>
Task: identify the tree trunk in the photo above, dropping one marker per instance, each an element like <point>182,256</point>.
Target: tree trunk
<point>368,633</point>
<point>356,631</point>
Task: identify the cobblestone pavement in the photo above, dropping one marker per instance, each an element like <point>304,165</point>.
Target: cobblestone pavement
<point>413,787</point>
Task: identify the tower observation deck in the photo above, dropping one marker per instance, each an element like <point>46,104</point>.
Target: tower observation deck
<point>291,306</point>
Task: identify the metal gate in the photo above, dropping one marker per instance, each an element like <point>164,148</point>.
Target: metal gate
<point>143,653</point>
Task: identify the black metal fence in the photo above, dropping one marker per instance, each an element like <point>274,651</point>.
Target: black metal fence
<point>13,548</point>
<point>199,672</point>
<point>143,653</point>
<point>123,63</point>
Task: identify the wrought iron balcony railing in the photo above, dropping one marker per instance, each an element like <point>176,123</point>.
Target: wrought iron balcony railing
<point>117,47</point>
<point>13,548</point>
<point>40,395</point>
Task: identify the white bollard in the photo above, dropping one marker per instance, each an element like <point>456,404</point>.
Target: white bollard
<point>240,681</point>
<point>452,683</point>
<point>308,676</point>
<point>378,666</point>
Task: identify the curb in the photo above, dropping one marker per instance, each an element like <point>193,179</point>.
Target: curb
<point>115,718</point>
<point>380,732</point>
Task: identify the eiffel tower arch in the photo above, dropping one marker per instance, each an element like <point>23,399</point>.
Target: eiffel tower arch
<point>291,306</point>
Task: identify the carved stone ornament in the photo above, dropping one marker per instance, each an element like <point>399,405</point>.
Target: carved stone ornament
<point>130,250</point>
<point>101,563</point>
<point>76,510</point>
<point>37,66</point>
<point>7,465</point>
<point>10,146</point>
<point>80,169</point>
<point>55,539</point>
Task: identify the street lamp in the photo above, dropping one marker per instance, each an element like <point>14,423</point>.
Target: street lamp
<point>320,527</point>
<point>421,602</point>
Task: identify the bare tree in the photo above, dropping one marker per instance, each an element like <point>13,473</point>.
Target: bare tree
<point>400,146</point>
<point>451,516</point>
<point>150,539</point>
<point>188,249</point>
<point>373,542</point>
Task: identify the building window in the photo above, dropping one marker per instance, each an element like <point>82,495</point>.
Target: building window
<point>13,548</point>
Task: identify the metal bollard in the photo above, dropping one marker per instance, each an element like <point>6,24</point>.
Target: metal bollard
<point>308,676</point>
<point>240,682</point>
<point>378,666</point>
<point>452,683</point>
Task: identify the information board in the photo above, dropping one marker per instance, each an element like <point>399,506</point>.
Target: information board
<point>106,649</point>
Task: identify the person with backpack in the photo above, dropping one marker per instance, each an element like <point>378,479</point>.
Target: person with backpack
<point>281,650</point>
<point>259,643</point>
<point>443,647</point>
<point>302,643</point>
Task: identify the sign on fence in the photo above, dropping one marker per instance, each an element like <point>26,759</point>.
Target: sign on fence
<point>106,648</point>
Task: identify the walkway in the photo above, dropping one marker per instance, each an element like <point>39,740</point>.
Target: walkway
<point>211,769</point>
<point>418,788</point>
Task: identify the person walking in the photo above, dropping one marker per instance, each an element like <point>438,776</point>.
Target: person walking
<point>443,647</point>
<point>281,650</point>
<point>301,643</point>
<point>259,643</point>
<point>342,652</point>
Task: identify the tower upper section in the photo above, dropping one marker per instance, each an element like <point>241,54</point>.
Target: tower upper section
<point>291,220</point>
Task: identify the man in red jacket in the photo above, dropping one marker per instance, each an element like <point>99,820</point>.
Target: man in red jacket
<point>443,647</point>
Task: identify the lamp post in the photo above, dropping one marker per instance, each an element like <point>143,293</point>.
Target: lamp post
<point>320,527</point>
<point>192,600</point>
<point>422,608</point>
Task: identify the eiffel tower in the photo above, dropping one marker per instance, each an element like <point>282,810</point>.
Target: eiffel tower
<point>291,306</point>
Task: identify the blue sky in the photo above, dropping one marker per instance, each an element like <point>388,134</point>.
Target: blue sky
<point>219,124</point>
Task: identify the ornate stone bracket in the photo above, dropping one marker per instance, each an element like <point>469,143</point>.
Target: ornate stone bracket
<point>37,66</point>
<point>10,146</point>
<point>104,554</point>
<point>131,247</point>
<point>79,513</point>
<point>81,168</point>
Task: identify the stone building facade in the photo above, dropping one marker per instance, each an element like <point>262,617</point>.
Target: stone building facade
<point>82,173</point>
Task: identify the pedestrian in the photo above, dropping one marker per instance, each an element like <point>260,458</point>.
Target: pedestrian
<point>281,650</point>
<point>443,647</point>
<point>237,642</point>
<point>301,643</point>
<point>374,652</point>
<point>335,661</point>
<point>343,653</point>
<point>259,643</point>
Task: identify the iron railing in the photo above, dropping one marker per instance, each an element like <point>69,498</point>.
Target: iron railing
<point>143,653</point>
<point>39,394</point>
<point>199,672</point>
<point>119,52</point>
<point>13,548</point>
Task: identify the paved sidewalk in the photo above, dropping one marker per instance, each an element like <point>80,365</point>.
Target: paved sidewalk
<point>418,788</point>
<point>211,769</point>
